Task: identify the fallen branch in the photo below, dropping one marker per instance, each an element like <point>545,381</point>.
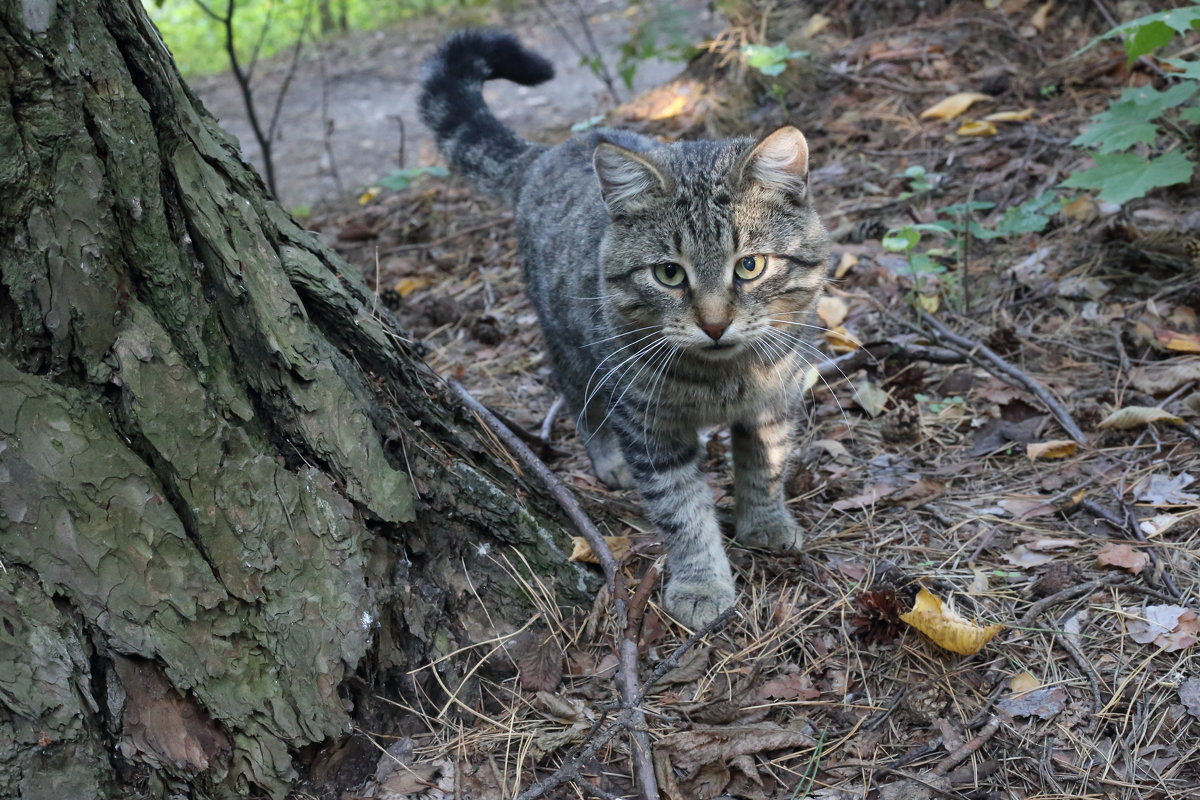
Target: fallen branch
<point>876,352</point>
<point>631,718</point>
<point>989,359</point>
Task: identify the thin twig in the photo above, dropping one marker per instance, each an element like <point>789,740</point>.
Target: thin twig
<point>547,430</point>
<point>967,748</point>
<point>876,352</point>
<point>981,353</point>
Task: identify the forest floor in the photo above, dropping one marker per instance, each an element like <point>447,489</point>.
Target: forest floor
<point>936,459</point>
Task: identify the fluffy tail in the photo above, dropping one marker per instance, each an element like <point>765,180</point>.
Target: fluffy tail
<point>475,143</point>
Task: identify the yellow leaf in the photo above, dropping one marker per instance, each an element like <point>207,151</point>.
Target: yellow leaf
<point>1024,115</point>
<point>976,128</point>
<point>1057,448</point>
<point>1178,341</point>
<point>671,109</point>
<point>812,376</point>
<point>929,302</point>
<point>406,286</point>
<point>1023,682</point>
<point>832,311</point>
<point>1081,209</point>
<point>946,628</point>
<point>841,340</point>
<point>582,551</point>
<point>1136,416</point>
<point>1039,18</point>
<point>369,195</point>
<point>845,264</point>
<point>816,25</point>
<point>953,106</point>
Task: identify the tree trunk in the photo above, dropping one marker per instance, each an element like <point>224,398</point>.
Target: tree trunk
<point>226,486</point>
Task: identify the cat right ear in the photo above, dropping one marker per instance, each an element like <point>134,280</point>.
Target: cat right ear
<point>780,162</point>
<point>628,180</point>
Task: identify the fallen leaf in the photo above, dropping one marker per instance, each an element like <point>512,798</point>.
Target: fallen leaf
<point>1178,341</point>
<point>1136,416</point>
<point>946,628</point>
<point>789,687</point>
<point>1057,448</point>
<point>841,340</point>
<point>1123,556</point>
<point>929,302</point>
<point>976,128</point>
<point>582,551</point>
<point>1022,556</point>
<point>692,749</point>
<point>920,493</point>
<point>1023,682</point>
<point>953,106</point>
<point>369,195</point>
<point>671,109</point>
<point>1025,507</point>
<point>691,667</point>
<point>1081,209</point>
<point>1041,16</point>
<point>867,497</point>
<point>538,657</point>
<point>1158,524</point>
<point>1054,544</point>
<point>870,398</point>
<point>1042,703</point>
<point>1024,115</point>
<point>406,286</point>
<point>846,263</point>
<point>1167,626</point>
<point>1165,378</point>
<point>832,311</point>
<point>1189,695</point>
<point>1166,490</point>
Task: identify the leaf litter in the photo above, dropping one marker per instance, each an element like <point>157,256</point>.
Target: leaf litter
<point>819,689</point>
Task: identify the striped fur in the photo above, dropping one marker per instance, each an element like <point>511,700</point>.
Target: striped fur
<point>595,214</point>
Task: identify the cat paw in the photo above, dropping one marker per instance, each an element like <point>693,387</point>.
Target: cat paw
<point>610,467</point>
<point>697,603</point>
<point>780,534</point>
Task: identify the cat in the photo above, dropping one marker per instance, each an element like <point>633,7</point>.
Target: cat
<point>672,282</point>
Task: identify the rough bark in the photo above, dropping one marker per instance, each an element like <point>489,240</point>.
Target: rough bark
<point>226,486</point>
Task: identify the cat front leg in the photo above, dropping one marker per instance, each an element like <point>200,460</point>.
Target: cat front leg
<point>679,503</point>
<point>760,455</point>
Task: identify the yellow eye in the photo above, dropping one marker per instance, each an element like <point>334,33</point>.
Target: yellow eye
<point>669,273</point>
<point>750,267</point>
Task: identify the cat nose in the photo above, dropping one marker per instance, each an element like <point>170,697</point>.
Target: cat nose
<point>714,329</point>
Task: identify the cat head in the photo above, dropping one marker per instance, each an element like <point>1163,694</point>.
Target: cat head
<point>715,243</point>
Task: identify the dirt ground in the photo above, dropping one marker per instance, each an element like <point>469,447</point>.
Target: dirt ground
<point>967,452</point>
<point>359,94</point>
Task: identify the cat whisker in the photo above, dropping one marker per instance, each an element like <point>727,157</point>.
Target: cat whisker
<point>848,337</point>
<point>654,399</point>
<point>588,392</point>
<point>795,341</point>
<point>619,335</point>
<point>651,352</point>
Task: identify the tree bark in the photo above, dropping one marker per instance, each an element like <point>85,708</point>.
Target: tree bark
<point>226,485</point>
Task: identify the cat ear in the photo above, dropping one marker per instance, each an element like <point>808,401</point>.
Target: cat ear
<point>627,179</point>
<point>779,162</point>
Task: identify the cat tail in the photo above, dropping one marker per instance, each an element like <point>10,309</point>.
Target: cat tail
<point>476,144</point>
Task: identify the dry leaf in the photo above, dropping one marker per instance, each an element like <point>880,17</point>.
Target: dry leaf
<point>582,551</point>
<point>1081,209</point>
<point>692,749</point>
<point>1041,703</point>
<point>1023,556</point>
<point>1158,524</point>
<point>816,24</point>
<point>867,497</point>
<point>538,656</point>
<point>832,311</point>
<point>1136,416</point>
<point>1166,490</point>
<point>671,109</point>
<point>1165,378</point>
<point>369,195</point>
<point>946,628</point>
<point>1024,115</point>
<point>1167,626</point>
<point>929,302</point>
<point>1177,340</point>
<point>1189,695</point>
<point>789,687</point>
<point>976,127</point>
<point>406,286</point>
<point>1023,682</point>
<point>1039,18</point>
<point>691,667</point>
<point>1123,556</point>
<point>870,398</point>
<point>1057,448</point>
<point>841,340</point>
<point>953,106</point>
<point>846,263</point>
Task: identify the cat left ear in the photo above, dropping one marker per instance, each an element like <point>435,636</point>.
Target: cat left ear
<point>779,162</point>
<point>627,179</point>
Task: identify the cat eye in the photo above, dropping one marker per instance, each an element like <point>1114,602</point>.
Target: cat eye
<point>750,267</point>
<point>670,274</point>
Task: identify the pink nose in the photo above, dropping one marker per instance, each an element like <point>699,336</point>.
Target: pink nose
<point>714,329</point>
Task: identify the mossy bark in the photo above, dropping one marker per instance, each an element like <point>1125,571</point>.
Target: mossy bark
<point>225,485</point>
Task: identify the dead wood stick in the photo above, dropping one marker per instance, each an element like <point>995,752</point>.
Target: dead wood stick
<point>981,353</point>
<point>548,423</point>
<point>632,718</point>
<point>875,352</point>
<point>967,748</point>
<point>670,662</point>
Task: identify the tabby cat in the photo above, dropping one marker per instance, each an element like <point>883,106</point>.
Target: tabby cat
<point>672,282</point>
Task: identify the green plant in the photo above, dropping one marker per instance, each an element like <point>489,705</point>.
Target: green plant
<point>771,61</point>
<point>403,178</point>
<point>927,273</point>
<point>919,181</point>
<point>1144,116</point>
<point>660,35</point>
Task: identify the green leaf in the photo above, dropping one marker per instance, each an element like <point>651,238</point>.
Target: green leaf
<point>932,227</point>
<point>900,240</point>
<point>1190,114</point>
<point>1191,69</point>
<point>958,209</point>
<point>402,178</point>
<point>1147,38</point>
<point>1180,20</point>
<point>1121,177</point>
<point>1126,122</point>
